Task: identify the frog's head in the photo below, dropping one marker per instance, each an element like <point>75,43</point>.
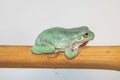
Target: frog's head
<point>84,35</point>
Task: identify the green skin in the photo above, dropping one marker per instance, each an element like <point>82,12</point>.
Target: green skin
<point>58,39</point>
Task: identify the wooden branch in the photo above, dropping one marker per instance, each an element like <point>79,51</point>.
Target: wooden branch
<point>92,57</point>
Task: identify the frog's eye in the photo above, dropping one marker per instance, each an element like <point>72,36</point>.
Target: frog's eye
<point>85,35</point>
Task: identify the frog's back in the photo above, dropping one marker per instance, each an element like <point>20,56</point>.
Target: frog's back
<point>56,36</point>
<point>52,31</point>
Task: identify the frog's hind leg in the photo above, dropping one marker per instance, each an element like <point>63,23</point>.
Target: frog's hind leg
<point>40,49</point>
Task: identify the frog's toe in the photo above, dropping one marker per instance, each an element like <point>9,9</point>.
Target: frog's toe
<point>35,50</point>
<point>72,53</point>
<point>69,54</point>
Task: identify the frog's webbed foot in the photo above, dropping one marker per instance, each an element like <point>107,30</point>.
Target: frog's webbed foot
<point>72,53</point>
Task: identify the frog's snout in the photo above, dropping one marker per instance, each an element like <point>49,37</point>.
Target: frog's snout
<point>93,35</point>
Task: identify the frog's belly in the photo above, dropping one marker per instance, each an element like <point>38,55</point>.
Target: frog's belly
<point>61,47</point>
<point>72,46</point>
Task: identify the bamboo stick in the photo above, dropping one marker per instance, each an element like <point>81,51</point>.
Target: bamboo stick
<point>91,57</point>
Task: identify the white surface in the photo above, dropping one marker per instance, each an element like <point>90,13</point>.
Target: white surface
<point>22,20</point>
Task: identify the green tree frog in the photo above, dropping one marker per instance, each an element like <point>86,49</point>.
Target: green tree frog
<point>56,39</point>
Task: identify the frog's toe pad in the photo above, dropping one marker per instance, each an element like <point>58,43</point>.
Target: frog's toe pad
<point>69,54</point>
<point>35,50</point>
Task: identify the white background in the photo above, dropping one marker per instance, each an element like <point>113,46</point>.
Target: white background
<point>22,20</point>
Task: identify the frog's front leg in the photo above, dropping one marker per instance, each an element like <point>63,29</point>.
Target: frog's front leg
<point>44,48</point>
<point>72,53</point>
